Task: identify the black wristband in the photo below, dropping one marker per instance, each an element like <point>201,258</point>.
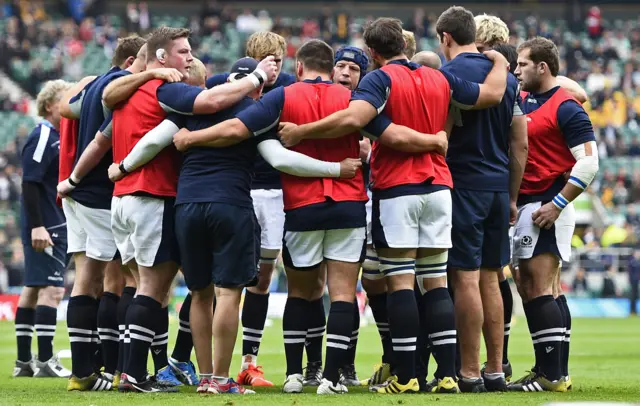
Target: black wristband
<point>71,182</point>
<point>259,77</point>
<point>122,168</point>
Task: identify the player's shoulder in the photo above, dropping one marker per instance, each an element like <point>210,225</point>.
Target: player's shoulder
<point>217,79</point>
<point>469,66</point>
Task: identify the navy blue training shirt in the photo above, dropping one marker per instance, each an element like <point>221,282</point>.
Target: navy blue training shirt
<point>576,129</point>
<point>95,189</point>
<point>266,176</point>
<point>478,154</point>
<point>221,175</point>
<point>40,159</point>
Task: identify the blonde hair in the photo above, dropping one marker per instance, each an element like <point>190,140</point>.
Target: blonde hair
<point>197,73</point>
<point>264,43</point>
<point>491,30</point>
<point>51,93</point>
<point>410,40</point>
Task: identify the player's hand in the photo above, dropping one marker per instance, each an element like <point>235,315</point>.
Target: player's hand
<point>289,135</point>
<point>443,143</point>
<point>546,215</point>
<point>40,239</point>
<point>497,58</point>
<point>513,212</point>
<point>115,174</point>
<point>365,148</point>
<point>268,66</point>
<point>167,74</point>
<point>349,167</point>
<point>182,139</point>
<point>64,188</point>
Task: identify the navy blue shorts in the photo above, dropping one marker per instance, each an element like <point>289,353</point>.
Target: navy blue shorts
<point>480,233</point>
<point>219,243</point>
<point>46,268</point>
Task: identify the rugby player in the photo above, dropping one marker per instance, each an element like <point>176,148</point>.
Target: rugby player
<point>478,158</point>
<point>44,240</point>
<point>561,140</point>
<point>90,239</point>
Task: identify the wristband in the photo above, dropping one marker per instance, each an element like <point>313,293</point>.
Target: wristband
<point>261,75</point>
<point>560,201</point>
<point>122,168</point>
<point>71,181</point>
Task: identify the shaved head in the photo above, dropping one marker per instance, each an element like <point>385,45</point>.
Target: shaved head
<point>427,58</point>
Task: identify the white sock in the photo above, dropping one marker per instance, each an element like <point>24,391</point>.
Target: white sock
<point>221,379</point>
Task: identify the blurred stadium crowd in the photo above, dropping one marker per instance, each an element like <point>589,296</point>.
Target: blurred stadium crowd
<point>39,43</point>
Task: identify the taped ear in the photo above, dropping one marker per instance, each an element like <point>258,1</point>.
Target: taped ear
<point>160,54</point>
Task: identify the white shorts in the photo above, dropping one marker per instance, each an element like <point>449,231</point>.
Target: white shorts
<point>413,221</point>
<point>529,240</point>
<point>89,231</point>
<point>369,207</point>
<point>143,228</point>
<point>304,249</point>
<point>269,208</point>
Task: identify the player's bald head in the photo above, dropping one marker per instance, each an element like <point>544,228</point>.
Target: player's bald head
<point>197,73</point>
<point>427,58</point>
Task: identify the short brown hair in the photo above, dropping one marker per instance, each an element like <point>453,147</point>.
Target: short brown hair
<point>459,23</point>
<point>316,55</point>
<point>128,46</point>
<point>543,50</point>
<point>410,41</point>
<point>264,43</point>
<point>161,37</point>
<point>384,36</point>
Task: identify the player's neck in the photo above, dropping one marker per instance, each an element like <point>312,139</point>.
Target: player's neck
<point>313,75</point>
<point>546,84</point>
<point>460,49</point>
<point>154,65</point>
<point>49,118</point>
<point>400,57</point>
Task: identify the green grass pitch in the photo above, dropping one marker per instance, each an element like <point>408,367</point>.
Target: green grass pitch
<point>605,366</point>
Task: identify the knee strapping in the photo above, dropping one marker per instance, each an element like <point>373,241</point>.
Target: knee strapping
<point>268,256</point>
<point>434,266</point>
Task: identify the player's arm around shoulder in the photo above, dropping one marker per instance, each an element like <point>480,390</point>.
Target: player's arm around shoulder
<point>573,88</point>
<point>223,96</point>
<point>124,87</point>
<point>494,86</point>
<point>71,101</point>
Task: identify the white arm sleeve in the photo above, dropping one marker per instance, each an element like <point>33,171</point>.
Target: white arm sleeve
<point>150,145</point>
<point>295,163</point>
<point>586,167</point>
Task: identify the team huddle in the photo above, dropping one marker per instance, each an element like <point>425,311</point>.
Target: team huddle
<point>424,180</point>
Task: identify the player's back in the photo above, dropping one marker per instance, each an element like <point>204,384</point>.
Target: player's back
<point>478,154</point>
<point>95,188</point>
<point>221,175</point>
<point>131,121</point>
<point>310,101</point>
<point>419,99</point>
